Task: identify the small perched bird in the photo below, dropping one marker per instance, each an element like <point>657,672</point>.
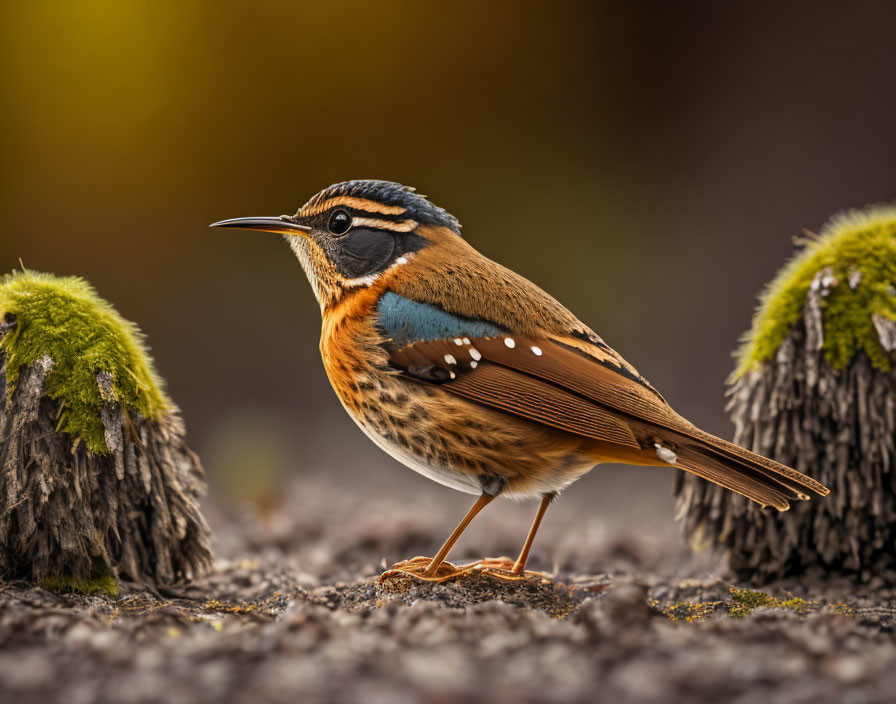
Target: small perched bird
<point>473,376</point>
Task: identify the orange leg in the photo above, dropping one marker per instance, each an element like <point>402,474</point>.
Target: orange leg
<point>520,564</point>
<point>438,570</point>
<point>480,504</point>
<point>429,570</point>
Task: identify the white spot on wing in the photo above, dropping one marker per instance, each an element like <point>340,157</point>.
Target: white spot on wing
<point>466,340</point>
<point>665,454</point>
<point>458,341</point>
<point>510,342</point>
<point>475,354</point>
<point>536,350</point>
<point>474,364</point>
<point>449,358</point>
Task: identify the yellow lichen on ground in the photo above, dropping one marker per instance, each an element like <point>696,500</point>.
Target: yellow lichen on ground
<point>741,604</point>
<point>687,611</point>
<point>221,607</point>
<point>744,601</point>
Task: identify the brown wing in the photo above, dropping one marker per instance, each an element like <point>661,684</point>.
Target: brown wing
<point>563,373</point>
<point>558,383</point>
<point>509,390</point>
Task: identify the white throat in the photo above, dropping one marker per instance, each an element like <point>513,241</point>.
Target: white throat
<point>301,247</point>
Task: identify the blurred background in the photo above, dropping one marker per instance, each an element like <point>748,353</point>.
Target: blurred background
<point>648,165</point>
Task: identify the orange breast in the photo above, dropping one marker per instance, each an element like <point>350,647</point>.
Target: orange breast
<point>445,437</point>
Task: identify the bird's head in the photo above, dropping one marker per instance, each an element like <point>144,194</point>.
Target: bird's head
<point>347,235</point>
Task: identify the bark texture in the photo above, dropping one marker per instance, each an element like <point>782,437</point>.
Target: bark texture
<point>131,513</point>
<point>837,426</point>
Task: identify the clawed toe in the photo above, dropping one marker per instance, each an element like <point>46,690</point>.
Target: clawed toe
<point>419,568</point>
<point>502,568</point>
<point>506,569</point>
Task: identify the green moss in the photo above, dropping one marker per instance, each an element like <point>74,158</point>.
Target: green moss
<point>859,244</point>
<point>744,601</point>
<point>100,585</point>
<point>688,611</point>
<point>84,335</point>
<point>740,605</point>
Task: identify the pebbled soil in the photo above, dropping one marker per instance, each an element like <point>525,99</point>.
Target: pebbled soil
<point>292,613</point>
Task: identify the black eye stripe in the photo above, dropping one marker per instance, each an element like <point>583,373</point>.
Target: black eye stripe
<point>364,251</point>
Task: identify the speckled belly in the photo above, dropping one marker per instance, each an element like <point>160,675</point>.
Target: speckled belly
<point>456,442</point>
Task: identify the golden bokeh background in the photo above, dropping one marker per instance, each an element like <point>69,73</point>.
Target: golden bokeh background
<point>647,164</point>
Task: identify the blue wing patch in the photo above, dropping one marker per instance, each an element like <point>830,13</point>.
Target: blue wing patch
<point>407,322</point>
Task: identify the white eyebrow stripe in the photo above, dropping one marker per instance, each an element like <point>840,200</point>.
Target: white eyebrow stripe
<point>402,226</point>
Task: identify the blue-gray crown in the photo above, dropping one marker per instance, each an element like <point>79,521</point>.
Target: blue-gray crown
<point>390,193</point>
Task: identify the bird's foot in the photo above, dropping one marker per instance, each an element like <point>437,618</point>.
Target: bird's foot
<point>498,567</point>
<point>504,568</point>
<point>418,568</point>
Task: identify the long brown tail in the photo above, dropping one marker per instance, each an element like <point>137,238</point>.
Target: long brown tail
<point>758,478</point>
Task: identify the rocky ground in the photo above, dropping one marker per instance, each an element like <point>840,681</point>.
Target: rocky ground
<point>293,613</point>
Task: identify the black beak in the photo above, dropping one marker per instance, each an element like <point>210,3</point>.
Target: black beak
<point>283,225</point>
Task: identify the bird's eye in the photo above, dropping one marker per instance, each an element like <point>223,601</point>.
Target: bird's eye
<point>339,223</point>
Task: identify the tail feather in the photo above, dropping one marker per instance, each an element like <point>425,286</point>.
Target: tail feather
<point>753,485</point>
<point>776,470</point>
<point>758,478</point>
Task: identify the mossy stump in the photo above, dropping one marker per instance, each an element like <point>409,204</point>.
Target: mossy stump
<point>96,481</point>
<point>815,388</point>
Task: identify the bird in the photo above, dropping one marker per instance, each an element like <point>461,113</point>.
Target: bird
<point>473,376</point>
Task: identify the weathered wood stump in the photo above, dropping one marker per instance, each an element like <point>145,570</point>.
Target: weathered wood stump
<point>816,390</point>
<point>96,480</point>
